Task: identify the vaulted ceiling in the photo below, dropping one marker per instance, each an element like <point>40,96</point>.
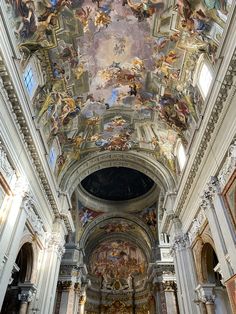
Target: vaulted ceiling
<point>116,76</point>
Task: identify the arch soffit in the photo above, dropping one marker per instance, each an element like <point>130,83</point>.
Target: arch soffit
<point>204,261</point>
<point>205,240</point>
<point>84,240</point>
<point>77,171</point>
<point>29,238</point>
<point>91,246</point>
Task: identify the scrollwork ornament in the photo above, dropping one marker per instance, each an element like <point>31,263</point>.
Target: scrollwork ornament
<point>206,200</point>
<point>21,187</point>
<point>5,165</point>
<point>229,165</point>
<point>213,185</point>
<point>196,225</point>
<point>54,241</point>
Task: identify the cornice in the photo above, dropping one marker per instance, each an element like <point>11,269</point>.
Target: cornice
<point>10,96</point>
<point>225,95</point>
<point>131,159</point>
<point>133,205</point>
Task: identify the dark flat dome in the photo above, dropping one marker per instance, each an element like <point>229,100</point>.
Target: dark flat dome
<point>117,184</point>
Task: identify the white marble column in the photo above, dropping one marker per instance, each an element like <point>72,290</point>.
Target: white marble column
<point>25,296</point>
<point>50,268</point>
<point>77,296</point>
<point>223,216</point>
<point>207,297</point>
<point>170,296</point>
<point>82,299</point>
<point>187,280</point>
<point>67,298</point>
<point>217,232</point>
<point>179,288</point>
<point>159,298</point>
<point>11,236</point>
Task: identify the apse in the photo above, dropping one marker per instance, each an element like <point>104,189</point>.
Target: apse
<point>117,184</point>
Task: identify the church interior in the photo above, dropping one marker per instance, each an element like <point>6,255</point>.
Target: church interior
<point>118,156</point>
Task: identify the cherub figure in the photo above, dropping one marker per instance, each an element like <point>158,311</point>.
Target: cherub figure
<point>102,19</point>
<point>83,16</point>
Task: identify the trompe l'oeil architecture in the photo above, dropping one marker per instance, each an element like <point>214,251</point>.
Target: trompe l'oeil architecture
<point>117,156</point>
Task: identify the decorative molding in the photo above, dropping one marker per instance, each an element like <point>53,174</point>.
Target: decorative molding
<point>133,205</point>
<point>228,167</point>
<point>226,87</point>
<point>27,293</point>
<point>197,224</point>
<point>9,95</point>
<point>6,168</point>
<point>65,285</point>
<point>213,187</point>
<point>28,204</point>
<point>115,217</point>
<point>55,242</point>
<point>159,270</point>
<point>205,293</point>
<point>3,262</point>
<point>180,242</point>
<point>130,159</point>
<point>21,187</point>
<point>169,286</point>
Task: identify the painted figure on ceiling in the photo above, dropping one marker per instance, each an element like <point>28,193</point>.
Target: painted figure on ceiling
<point>25,11</point>
<point>217,5</point>
<point>147,70</point>
<point>144,9</point>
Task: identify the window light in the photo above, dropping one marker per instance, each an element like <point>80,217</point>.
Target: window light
<point>205,79</point>
<point>30,81</point>
<point>181,156</point>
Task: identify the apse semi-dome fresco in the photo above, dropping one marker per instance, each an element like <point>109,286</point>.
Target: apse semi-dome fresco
<point>117,262</point>
<point>116,75</point>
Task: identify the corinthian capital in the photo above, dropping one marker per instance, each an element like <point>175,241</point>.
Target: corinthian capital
<point>28,201</point>
<point>206,201</point>
<point>213,187</point>
<point>56,242</point>
<point>27,293</point>
<point>180,242</point>
<point>228,166</point>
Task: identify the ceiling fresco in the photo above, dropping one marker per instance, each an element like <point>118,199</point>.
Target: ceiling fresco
<point>86,215</point>
<point>148,215</point>
<point>117,227</point>
<point>118,75</point>
<point>117,261</point>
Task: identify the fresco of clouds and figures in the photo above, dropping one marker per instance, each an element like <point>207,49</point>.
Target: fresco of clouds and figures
<point>117,75</point>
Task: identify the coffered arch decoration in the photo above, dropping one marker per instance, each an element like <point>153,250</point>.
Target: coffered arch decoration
<point>139,161</point>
